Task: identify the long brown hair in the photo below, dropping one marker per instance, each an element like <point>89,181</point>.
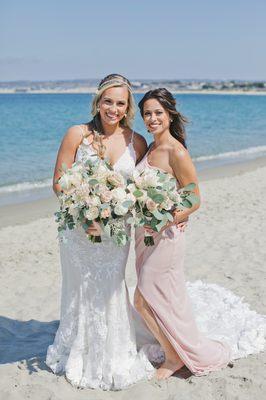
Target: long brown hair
<point>168,102</point>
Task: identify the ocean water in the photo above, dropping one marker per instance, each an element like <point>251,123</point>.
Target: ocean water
<point>222,129</point>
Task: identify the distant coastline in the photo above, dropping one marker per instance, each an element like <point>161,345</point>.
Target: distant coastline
<point>175,86</point>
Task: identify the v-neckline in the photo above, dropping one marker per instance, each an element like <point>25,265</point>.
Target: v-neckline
<point>112,165</point>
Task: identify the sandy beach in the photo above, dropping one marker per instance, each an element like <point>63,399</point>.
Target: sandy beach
<point>225,245</point>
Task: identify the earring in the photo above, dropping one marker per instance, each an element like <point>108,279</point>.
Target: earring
<point>98,109</point>
<point>125,115</point>
<point>171,120</point>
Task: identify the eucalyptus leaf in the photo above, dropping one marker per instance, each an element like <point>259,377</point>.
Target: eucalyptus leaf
<point>153,223</point>
<point>193,198</point>
<point>186,203</point>
<point>157,198</point>
<point>160,225</point>
<point>189,187</point>
<point>169,216</point>
<point>138,193</point>
<point>93,182</point>
<point>158,215</point>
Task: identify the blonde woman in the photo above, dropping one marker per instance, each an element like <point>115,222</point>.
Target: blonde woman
<point>95,343</point>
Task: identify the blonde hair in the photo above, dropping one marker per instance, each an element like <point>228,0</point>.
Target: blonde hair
<point>113,80</point>
<point>95,125</point>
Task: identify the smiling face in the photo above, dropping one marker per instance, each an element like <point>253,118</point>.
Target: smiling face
<point>155,117</point>
<point>113,105</point>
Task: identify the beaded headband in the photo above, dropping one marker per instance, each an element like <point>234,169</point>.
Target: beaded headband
<point>115,81</point>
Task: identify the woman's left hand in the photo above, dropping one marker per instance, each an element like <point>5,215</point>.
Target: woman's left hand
<point>182,225</point>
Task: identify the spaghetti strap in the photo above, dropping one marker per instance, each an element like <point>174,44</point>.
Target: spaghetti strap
<point>132,136</point>
<point>82,132</point>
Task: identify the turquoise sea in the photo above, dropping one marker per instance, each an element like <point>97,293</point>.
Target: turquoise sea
<point>222,129</point>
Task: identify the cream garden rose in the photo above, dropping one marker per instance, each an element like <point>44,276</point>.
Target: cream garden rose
<point>106,196</point>
<point>92,213</point>
<point>119,194</point>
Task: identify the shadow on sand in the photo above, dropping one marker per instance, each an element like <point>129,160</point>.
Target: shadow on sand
<point>26,340</point>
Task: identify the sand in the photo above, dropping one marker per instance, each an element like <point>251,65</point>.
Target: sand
<point>225,245</point>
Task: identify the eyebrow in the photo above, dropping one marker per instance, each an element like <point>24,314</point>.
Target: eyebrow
<point>157,109</point>
<point>109,98</point>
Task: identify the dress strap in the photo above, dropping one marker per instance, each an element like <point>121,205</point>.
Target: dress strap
<point>132,136</point>
<point>131,147</point>
<point>82,132</point>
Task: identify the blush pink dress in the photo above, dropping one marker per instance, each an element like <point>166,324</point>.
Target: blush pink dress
<point>161,282</point>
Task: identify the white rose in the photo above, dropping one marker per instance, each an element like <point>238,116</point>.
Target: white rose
<point>120,210</point>
<point>131,187</point>
<point>118,194</point>
<point>102,173</point>
<point>94,201</point>
<point>73,211</point>
<point>65,182</point>
<point>151,179</point>
<point>76,168</point>
<point>139,182</point>
<point>92,213</point>
<point>131,197</point>
<point>76,179</point>
<point>106,196</point>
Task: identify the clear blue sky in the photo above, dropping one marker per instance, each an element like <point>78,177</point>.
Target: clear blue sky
<point>166,39</point>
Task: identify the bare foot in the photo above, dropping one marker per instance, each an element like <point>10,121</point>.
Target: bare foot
<point>168,368</point>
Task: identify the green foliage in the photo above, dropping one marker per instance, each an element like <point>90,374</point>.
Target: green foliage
<point>138,193</point>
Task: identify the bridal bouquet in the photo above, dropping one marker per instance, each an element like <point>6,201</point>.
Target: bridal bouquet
<point>156,196</point>
<point>93,191</point>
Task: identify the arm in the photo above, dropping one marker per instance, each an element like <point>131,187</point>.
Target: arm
<point>185,172</point>
<point>66,154</point>
<point>140,146</point>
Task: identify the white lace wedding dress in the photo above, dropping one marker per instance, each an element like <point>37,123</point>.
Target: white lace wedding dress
<point>95,344</point>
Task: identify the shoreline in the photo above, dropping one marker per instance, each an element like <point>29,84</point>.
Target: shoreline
<point>142,91</point>
<point>25,212</point>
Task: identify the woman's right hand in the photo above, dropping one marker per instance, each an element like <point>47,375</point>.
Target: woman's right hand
<point>94,229</point>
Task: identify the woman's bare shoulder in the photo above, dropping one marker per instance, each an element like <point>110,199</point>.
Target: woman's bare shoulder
<point>75,134</point>
<point>178,152</point>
